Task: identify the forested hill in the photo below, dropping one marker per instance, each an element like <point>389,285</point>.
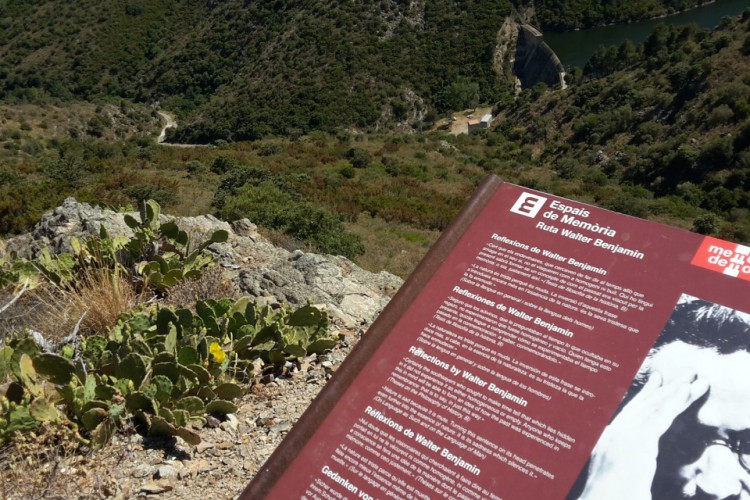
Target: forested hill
<point>667,122</point>
<point>659,130</point>
<point>238,70</point>
<point>565,15</point>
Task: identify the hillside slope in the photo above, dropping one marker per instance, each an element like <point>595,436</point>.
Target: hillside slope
<point>239,70</point>
<point>565,15</point>
<point>658,130</point>
<point>667,122</point>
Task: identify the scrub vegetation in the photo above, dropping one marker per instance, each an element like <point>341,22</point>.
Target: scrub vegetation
<point>326,123</point>
<point>159,369</point>
<point>657,130</point>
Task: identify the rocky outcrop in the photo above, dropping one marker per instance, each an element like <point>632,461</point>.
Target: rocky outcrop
<point>393,13</point>
<point>504,53</point>
<point>534,61</point>
<point>254,266</point>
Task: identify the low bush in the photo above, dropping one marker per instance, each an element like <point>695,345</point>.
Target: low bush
<point>267,205</point>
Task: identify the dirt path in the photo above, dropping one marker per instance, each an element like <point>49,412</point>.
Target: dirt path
<point>171,122</point>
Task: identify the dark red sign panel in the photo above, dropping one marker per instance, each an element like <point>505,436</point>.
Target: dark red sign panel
<point>503,359</point>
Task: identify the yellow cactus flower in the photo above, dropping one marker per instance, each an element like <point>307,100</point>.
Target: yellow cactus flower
<point>216,352</point>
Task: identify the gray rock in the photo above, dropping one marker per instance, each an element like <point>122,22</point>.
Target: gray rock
<point>337,357</point>
<point>166,472</point>
<point>352,296</point>
<point>244,227</point>
<point>212,422</point>
<point>230,424</point>
<point>283,426</point>
<point>71,219</point>
<point>157,487</point>
<point>141,471</point>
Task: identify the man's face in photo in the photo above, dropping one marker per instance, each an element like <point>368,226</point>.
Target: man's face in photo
<point>708,446</point>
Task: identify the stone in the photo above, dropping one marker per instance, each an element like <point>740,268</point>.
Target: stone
<point>141,471</point>
<point>230,424</point>
<point>283,426</point>
<point>244,227</point>
<point>203,446</point>
<point>156,487</point>
<point>166,472</point>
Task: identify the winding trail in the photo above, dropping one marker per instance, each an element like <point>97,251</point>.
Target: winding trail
<point>170,122</point>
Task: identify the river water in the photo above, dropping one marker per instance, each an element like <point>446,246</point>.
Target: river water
<point>574,48</point>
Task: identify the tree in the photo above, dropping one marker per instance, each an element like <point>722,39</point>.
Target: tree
<point>706,224</point>
<point>461,93</point>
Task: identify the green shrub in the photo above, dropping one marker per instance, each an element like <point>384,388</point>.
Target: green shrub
<point>23,203</point>
<point>568,168</point>
<point>222,165</point>
<point>269,149</point>
<point>720,115</point>
<point>267,205</point>
<point>161,194</point>
<point>195,168</point>
<point>347,172</point>
<point>706,224</point>
<point>237,177</point>
<point>359,158</point>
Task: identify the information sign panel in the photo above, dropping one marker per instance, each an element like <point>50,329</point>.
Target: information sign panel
<point>507,354</point>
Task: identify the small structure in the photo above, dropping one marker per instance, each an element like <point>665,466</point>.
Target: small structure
<point>483,123</point>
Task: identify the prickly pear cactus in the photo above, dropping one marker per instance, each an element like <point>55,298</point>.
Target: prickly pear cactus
<point>163,369</point>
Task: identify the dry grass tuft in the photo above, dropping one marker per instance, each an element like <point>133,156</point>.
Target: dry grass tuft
<point>99,299</point>
<point>104,296</point>
<point>97,302</point>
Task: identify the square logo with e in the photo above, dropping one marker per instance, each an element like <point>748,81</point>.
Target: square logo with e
<point>528,205</point>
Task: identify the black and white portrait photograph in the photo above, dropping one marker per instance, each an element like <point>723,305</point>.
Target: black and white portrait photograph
<point>683,428</point>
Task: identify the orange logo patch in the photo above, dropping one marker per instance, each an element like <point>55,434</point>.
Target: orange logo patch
<point>724,257</point>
